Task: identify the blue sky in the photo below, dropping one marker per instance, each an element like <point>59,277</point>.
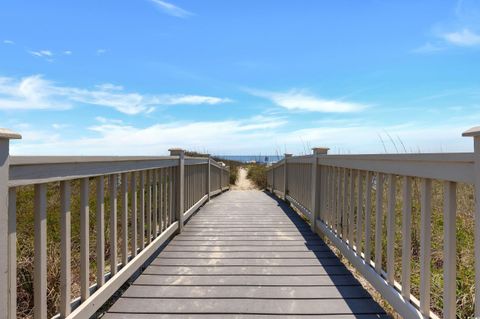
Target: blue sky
<point>239,77</point>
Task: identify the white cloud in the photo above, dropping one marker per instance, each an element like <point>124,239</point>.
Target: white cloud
<point>172,9</point>
<point>67,52</point>
<point>303,101</point>
<point>428,48</point>
<point>114,137</point>
<point>256,135</point>
<point>35,92</point>
<point>465,38</point>
<point>59,126</point>
<point>42,53</point>
<point>8,42</point>
<point>101,51</point>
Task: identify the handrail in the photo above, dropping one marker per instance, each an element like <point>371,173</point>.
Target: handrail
<point>335,192</point>
<point>149,197</point>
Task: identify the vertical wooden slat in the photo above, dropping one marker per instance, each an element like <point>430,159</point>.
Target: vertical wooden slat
<point>133,183</point>
<point>331,201</point>
<point>40,260</point>
<point>65,249</point>
<point>351,218</point>
<point>124,219</point>
<point>345,205</point>
<point>391,229</point>
<point>339,201</point>
<point>162,200</point>
<point>100,228</point>
<point>449,249</point>
<point>406,236</point>
<point>368,217</point>
<point>141,235</point>
<point>170,193</point>
<point>12,253</point>
<point>84,240</point>
<point>334,198</point>
<point>113,224</point>
<point>359,212</point>
<point>425,246</point>
<point>378,222</point>
<point>149,207</point>
<point>155,203</point>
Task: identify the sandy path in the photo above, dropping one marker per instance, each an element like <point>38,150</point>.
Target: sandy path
<point>243,183</point>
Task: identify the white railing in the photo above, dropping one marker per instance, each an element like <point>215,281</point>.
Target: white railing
<point>335,192</point>
<point>146,199</point>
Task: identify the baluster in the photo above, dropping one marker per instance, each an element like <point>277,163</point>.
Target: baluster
<point>449,249</point>
<point>155,204</point>
<point>141,236</point>
<point>124,219</point>
<point>40,260</point>
<point>84,240</point>
<point>359,213</point>
<point>391,229</point>
<point>351,221</point>
<point>406,236</point>
<point>113,224</point>
<point>149,207</point>
<point>368,217</point>
<point>65,249</point>
<point>425,230</point>
<point>134,239</point>
<point>335,188</point>
<point>378,223</point>
<point>100,228</point>
<point>339,201</point>
<point>345,205</point>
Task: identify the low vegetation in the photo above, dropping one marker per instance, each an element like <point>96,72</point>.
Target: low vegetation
<point>257,173</point>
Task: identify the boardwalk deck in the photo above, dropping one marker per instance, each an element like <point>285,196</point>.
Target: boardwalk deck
<point>246,255</point>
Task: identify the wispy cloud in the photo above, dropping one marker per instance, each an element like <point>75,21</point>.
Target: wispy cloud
<point>42,53</point>
<point>67,52</point>
<point>428,48</point>
<point>35,92</point>
<point>464,38</point>
<point>8,42</point>
<point>301,100</point>
<point>101,51</point>
<point>118,138</point>
<point>172,9</point>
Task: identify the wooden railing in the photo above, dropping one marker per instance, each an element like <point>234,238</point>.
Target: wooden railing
<point>335,192</point>
<point>155,196</point>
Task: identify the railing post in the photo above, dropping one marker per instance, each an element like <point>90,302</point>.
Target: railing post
<point>180,185</point>
<point>475,133</point>
<point>7,233</point>
<point>209,177</point>
<point>285,176</point>
<point>315,184</point>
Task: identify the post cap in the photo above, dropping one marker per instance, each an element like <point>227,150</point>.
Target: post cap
<point>176,151</point>
<point>474,131</point>
<point>288,155</point>
<point>7,134</point>
<point>320,150</point>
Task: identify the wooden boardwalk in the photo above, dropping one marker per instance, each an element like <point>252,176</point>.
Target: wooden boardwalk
<point>246,255</point>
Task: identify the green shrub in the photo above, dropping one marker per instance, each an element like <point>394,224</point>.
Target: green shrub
<point>257,173</point>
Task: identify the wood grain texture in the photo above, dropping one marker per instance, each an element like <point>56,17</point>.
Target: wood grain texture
<point>231,263</point>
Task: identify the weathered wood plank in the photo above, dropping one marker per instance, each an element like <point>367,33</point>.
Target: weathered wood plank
<point>246,292</point>
<point>262,306</point>
<point>240,259</point>
<point>246,262</point>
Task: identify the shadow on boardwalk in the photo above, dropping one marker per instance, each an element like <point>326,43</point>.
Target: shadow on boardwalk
<point>246,254</point>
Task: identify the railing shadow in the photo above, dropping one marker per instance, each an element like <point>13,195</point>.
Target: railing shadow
<point>338,273</point>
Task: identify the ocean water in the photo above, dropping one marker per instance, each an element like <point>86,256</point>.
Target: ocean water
<point>251,158</point>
